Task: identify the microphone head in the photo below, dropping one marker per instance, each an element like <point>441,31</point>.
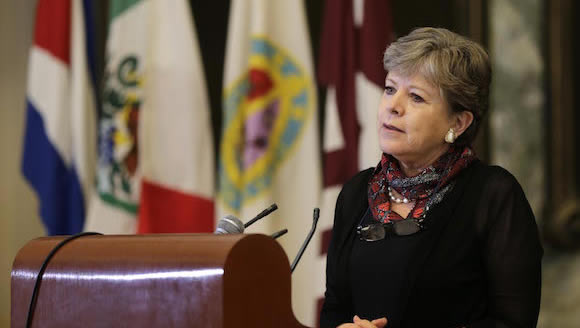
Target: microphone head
<point>229,224</point>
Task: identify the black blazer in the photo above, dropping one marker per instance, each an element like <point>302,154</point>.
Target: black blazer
<point>479,264</point>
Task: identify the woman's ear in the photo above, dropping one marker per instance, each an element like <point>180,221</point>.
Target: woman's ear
<point>462,121</point>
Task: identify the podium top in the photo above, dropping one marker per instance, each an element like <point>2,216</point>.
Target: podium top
<point>174,280</point>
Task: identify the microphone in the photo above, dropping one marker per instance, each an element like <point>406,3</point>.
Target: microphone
<point>262,214</point>
<point>280,233</point>
<point>315,217</point>
<point>229,224</point>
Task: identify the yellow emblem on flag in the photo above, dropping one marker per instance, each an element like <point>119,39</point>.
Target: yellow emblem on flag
<point>265,113</point>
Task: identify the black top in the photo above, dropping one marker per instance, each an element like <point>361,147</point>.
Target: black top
<point>380,278</point>
<point>478,264</point>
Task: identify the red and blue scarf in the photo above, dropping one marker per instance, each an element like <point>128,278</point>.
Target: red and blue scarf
<point>426,189</point>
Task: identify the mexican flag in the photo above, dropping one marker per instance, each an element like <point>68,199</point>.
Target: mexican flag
<point>114,207</point>
<point>155,167</point>
<point>177,157</point>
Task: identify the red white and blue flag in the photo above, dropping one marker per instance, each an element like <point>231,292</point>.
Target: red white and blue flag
<point>59,142</point>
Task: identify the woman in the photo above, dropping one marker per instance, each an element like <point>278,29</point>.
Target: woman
<point>432,237</point>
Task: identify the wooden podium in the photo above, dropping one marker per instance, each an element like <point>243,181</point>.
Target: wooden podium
<point>178,280</point>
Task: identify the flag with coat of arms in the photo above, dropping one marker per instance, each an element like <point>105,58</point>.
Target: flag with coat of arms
<point>269,151</point>
<point>155,167</point>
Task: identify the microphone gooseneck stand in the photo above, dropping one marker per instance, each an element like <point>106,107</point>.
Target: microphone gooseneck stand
<point>315,217</point>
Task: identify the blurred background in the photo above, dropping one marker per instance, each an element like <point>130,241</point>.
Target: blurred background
<point>530,130</point>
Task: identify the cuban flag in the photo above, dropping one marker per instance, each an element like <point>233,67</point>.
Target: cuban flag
<point>59,143</point>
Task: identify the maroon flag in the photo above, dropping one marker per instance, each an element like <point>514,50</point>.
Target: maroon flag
<point>354,37</point>
<point>353,41</point>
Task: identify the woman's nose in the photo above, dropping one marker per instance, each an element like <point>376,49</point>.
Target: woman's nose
<point>394,104</point>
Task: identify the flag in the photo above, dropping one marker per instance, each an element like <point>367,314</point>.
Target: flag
<point>113,208</point>
<point>59,141</point>
<point>270,150</point>
<point>354,36</point>
<point>177,189</point>
<point>155,167</point>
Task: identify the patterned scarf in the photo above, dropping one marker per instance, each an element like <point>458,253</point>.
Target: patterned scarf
<point>426,189</point>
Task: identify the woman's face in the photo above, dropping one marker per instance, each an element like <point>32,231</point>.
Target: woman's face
<point>413,119</point>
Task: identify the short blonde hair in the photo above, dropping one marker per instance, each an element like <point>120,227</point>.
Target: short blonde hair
<point>458,66</point>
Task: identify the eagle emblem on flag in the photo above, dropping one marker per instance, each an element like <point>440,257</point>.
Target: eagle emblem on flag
<point>117,171</point>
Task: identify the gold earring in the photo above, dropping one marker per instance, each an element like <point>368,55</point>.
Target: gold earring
<point>450,136</point>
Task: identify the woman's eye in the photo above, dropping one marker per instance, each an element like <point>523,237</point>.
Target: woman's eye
<point>389,90</point>
<point>416,98</point>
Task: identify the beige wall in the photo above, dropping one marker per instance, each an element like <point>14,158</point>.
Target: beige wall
<point>19,221</point>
